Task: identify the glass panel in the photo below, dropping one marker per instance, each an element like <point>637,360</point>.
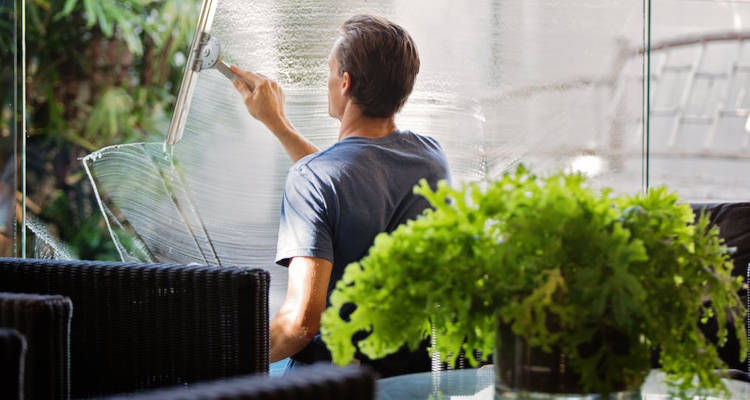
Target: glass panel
<point>98,73</point>
<point>700,110</point>
<point>9,69</point>
<point>552,84</point>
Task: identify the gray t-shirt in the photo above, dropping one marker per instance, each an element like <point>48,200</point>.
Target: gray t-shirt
<point>336,201</point>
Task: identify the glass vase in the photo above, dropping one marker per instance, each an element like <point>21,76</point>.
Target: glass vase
<point>525,372</point>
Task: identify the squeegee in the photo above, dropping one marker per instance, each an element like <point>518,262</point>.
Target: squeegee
<point>205,53</point>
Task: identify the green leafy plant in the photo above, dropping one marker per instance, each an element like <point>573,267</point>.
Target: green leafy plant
<point>603,278</point>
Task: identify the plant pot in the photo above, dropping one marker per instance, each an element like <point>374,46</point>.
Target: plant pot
<point>524,372</point>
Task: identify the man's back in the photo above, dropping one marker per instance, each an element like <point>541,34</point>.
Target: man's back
<point>336,201</point>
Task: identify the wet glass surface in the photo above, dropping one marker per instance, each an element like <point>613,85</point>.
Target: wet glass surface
<point>551,84</point>
<point>700,77</point>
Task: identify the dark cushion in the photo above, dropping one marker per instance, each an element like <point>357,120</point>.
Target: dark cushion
<point>45,323</point>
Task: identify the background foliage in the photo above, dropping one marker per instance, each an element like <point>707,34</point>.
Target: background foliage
<point>604,279</point>
<point>98,73</point>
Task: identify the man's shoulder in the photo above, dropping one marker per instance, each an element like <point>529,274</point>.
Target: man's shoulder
<point>321,162</point>
<point>328,160</point>
<point>317,169</point>
<point>363,152</point>
<point>426,140</point>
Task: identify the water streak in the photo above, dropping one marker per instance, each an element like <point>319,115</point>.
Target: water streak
<point>46,245</point>
<point>216,195</point>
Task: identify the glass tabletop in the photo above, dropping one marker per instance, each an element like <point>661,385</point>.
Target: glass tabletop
<point>478,384</point>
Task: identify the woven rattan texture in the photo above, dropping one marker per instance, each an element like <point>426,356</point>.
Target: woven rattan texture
<point>141,326</point>
<point>12,359</point>
<point>44,321</point>
<point>314,382</point>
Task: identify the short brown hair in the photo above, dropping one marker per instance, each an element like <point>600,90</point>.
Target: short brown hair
<point>382,61</point>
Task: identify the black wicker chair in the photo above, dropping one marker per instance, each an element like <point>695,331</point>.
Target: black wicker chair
<point>44,321</point>
<point>314,382</point>
<point>733,221</point>
<point>12,359</point>
<point>142,326</point>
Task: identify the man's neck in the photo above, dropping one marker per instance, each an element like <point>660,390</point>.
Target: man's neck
<point>354,124</point>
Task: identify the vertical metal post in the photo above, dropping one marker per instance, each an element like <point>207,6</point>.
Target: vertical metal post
<point>19,124</point>
<point>14,128</point>
<point>646,111</point>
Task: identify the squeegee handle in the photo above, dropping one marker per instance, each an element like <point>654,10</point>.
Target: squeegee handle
<point>226,70</point>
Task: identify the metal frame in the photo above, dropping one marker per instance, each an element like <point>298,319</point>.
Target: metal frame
<point>190,77</point>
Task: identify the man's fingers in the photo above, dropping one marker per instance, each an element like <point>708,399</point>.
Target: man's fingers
<point>242,88</point>
<point>251,78</point>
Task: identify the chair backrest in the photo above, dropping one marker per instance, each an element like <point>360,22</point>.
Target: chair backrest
<point>12,359</point>
<point>313,382</point>
<point>141,326</point>
<point>44,321</point>
<point>733,221</point>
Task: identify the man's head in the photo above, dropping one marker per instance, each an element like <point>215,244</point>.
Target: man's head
<point>373,65</point>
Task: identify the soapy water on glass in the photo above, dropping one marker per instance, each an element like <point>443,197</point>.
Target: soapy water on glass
<point>494,89</point>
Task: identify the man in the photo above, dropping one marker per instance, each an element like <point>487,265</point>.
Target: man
<point>336,201</point>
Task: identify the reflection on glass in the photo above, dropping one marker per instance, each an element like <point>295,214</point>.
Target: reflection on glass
<point>8,111</point>
<point>552,84</point>
<point>93,78</point>
<point>700,108</point>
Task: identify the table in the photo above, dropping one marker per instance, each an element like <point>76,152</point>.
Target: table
<point>479,384</point>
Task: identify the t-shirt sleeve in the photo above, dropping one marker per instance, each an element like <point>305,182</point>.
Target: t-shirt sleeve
<point>304,226</point>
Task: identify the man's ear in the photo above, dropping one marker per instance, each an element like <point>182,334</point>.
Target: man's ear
<point>346,84</point>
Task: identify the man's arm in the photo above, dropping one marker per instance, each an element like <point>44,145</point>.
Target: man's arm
<point>298,319</point>
<point>264,100</point>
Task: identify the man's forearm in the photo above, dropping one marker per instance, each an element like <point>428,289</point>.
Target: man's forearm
<point>294,143</point>
<point>285,339</point>
<point>298,319</point>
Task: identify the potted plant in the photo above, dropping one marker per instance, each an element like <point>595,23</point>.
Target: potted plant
<point>564,270</point>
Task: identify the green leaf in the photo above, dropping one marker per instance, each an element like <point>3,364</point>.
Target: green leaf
<point>89,7</point>
<point>103,19</point>
<point>67,9</point>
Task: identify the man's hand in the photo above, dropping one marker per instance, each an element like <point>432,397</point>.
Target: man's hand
<point>264,100</point>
